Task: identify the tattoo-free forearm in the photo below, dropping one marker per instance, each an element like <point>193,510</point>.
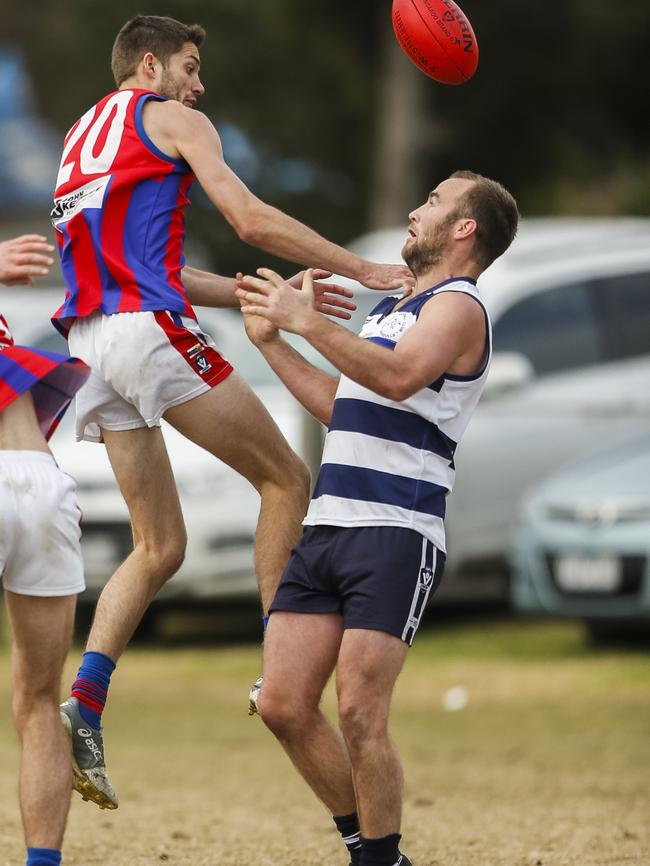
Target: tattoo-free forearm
<point>204,289</point>
<point>313,388</point>
<point>375,367</point>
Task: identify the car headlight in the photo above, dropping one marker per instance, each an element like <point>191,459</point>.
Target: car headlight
<point>600,512</point>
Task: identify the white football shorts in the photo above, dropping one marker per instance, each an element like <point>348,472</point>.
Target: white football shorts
<point>142,364</point>
<point>40,552</point>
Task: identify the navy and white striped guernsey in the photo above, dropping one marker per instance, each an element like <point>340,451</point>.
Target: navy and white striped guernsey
<point>388,462</point>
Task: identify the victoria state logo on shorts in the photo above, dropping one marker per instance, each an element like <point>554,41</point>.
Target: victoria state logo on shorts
<point>426,577</point>
<point>196,356</point>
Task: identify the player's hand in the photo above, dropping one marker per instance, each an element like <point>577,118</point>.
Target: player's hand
<point>329,298</point>
<point>385,278</point>
<point>269,296</point>
<point>23,258</point>
<point>258,329</point>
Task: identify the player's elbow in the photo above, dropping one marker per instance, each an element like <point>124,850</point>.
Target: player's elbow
<point>251,227</point>
<point>397,389</point>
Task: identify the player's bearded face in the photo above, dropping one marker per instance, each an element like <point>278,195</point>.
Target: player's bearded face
<point>425,251</point>
<point>179,76</point>
<point>170,86</point>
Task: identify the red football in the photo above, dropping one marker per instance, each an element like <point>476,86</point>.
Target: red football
<point>437,37</point>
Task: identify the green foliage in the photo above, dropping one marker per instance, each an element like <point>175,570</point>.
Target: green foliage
<point>556,109</point>
<point>297,77</point>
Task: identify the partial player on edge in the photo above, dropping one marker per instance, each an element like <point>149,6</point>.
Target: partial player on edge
<point>40,557</point>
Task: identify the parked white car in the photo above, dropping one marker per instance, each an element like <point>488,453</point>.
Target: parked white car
<point>570,306</point>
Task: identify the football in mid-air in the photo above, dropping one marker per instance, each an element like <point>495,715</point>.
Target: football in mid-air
<point>438,38</point>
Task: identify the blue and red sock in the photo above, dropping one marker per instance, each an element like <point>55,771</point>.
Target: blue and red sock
<point>43,857</point>
<point>91,686</point>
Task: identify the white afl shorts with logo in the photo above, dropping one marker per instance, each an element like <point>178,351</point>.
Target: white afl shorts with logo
<point>40,552</point>
<point>142,364</point>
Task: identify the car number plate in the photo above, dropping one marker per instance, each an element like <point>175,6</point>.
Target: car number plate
<point>579,573</point>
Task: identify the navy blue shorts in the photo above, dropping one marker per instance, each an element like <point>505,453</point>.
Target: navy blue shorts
<point>376,577</point>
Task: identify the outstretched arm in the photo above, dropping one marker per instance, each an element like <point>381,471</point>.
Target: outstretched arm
<point>190,134</point>
<point>204,289</point>
<point>449,336</point>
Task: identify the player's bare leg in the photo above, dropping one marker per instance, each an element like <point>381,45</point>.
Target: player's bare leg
<point>369,664</point>
<point>42,628</point>
<point>231,422</point>
<point>141,466</point>
<point>142,469</point>
<point>300,652</point>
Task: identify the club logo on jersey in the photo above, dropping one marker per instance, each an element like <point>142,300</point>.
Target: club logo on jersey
<point>68,206</point>
<point>394,325</point>
<point>426,577</point>
<point>196,356</point>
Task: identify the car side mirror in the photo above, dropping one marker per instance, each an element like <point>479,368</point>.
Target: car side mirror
<point>508,371</point>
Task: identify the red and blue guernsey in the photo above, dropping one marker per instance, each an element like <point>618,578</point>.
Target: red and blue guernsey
<point>119,214</point>
<point>52,378</point>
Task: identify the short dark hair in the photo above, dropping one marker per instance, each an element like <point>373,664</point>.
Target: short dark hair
<point>496,214</point>
<point>156,33</point>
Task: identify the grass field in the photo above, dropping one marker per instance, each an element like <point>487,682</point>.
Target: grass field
<point>547,765</point>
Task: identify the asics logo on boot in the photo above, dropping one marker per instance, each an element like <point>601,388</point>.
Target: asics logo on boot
<point>88,740</point>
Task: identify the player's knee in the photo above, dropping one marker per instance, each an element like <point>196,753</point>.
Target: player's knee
<point>282,718</point>
<point>291,476</point>
<point>173,556</point>
<point>274,712</point>
<point>357,723</point>
<point>30,702</point>
<point>165,555</point>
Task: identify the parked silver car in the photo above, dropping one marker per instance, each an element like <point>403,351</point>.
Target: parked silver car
<point>582,547</point>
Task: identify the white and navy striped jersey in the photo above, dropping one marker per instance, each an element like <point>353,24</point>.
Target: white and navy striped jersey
<point>388,462</point>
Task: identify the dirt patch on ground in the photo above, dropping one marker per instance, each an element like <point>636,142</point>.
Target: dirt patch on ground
<point>547,765</point>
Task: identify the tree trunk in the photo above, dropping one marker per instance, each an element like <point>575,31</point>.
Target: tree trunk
<point>404,135</point>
